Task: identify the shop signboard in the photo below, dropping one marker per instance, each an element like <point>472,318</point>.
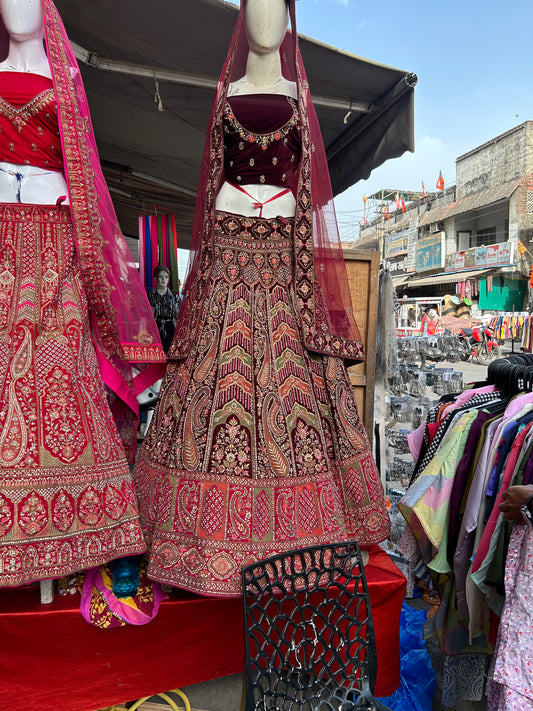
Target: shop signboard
<point>495,255</point>
<point>430,252</point>
<point>397,266</point>
<point>396,244</point>
<point>459,261</point>
<point>412,237</point>
<point>480,256</point>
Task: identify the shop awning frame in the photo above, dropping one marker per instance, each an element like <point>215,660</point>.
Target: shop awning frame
<point>447,278</point>
<point>132,52</point>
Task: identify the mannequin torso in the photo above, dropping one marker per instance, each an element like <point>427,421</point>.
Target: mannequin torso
<point>266,25</point>
<point>25,183</point>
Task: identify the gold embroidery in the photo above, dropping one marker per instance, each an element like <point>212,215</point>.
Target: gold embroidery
<point>20,115</point>
<point>262,139</point>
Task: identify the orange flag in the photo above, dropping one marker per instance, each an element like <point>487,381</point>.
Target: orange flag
<point>440,182</point>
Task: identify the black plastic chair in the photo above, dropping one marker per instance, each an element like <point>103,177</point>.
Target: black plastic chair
<point>309,636</point>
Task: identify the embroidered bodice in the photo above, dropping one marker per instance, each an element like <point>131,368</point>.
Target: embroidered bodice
<point>29,129</point>
<point>261,140</point>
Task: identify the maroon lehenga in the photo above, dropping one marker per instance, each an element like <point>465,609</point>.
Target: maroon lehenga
<point>256,446</point>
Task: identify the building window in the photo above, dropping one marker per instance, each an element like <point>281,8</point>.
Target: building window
<point>464,240</point>
<point>485,237</point>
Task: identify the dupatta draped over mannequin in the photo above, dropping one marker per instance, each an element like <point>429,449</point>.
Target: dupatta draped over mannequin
<point>322,296</point>
<point>123,330</point>
<point>256,445</point>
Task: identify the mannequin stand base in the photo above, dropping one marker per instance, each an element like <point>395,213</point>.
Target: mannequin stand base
<point>47,591</point>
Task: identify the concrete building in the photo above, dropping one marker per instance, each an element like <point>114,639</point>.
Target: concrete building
<point>474,239</point>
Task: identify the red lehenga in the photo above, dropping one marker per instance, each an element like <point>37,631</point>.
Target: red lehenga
<point>256,445</point>
<point>66,497</point>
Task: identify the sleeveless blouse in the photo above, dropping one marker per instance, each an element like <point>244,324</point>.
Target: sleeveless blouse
<point>29,128</point>
<point>262,141</point>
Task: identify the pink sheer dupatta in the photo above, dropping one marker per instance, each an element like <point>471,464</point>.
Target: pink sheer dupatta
<point>321,284</point>
<point>123,330</point>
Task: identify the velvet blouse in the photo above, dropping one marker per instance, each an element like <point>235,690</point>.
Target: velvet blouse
<point>262,141</point>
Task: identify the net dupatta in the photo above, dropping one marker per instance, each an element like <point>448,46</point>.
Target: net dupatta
<point>321,285</point>
<point>123,329</point>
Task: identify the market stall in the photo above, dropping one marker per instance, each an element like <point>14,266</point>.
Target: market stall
<point>50,656</point>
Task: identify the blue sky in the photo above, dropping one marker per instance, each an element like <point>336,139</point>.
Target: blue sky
<point>474,63</point>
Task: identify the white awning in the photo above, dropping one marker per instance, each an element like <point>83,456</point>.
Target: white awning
<point>450,278</point>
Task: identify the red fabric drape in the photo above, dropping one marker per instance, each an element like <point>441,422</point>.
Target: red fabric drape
<point>50,658</point>
<point>323,299</point>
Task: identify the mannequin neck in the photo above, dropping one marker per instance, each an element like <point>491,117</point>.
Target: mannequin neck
<point>263,69</point>
<point>27,55</point>
<point>162,290</point>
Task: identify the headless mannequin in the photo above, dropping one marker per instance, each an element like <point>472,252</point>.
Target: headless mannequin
<point>23,20</point>
<point>266,23</point>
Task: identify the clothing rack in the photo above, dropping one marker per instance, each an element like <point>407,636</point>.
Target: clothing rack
<point>513,374</point>
<point>511,325</point>
<point>475,445</point>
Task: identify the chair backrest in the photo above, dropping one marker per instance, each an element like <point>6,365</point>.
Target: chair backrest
<point>309,636</point>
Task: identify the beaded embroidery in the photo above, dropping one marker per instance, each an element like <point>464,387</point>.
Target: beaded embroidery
<point>262,139</point>
<point>19,116</point>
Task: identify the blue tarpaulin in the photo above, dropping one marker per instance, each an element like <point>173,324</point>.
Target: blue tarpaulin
<point>415,692</point>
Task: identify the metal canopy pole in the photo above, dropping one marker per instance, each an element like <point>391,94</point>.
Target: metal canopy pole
<point>91,59</point>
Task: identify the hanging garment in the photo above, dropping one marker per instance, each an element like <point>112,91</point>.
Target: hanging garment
<point>425,504</point>
<point>511,686</point>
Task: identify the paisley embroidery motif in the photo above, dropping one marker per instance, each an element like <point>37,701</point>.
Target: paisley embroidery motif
<point>261,444</point>
<point>14,435</point>
<point>187,505</point>
<point>62,467</point>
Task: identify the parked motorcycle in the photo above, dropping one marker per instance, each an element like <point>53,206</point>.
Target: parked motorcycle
<point>479,343</point>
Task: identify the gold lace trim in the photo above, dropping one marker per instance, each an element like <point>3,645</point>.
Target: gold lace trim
<point>20,115</point>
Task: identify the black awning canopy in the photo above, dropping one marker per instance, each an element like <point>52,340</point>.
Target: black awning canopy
<point>131,52</point>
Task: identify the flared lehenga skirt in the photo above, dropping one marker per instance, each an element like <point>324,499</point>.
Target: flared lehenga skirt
<point>66,498</point>
<point>256,445</point>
